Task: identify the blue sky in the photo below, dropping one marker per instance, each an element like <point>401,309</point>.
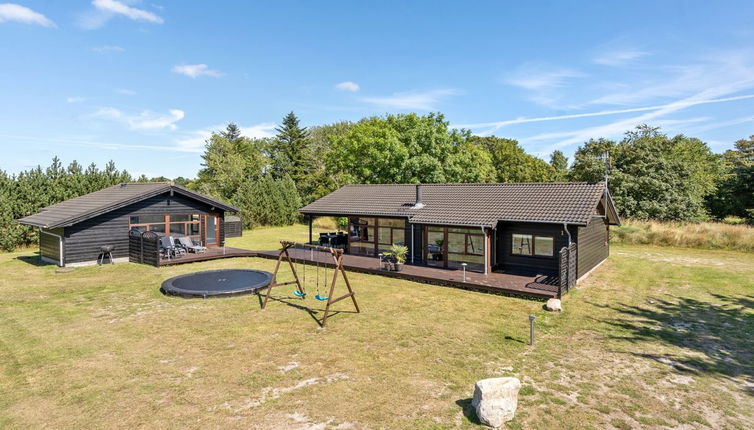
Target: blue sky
<point>145,82</point>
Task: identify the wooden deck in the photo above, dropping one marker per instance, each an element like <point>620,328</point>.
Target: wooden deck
<point>541,287</point>
<point>210,254</point>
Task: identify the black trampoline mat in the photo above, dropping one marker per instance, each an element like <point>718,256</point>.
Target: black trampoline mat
<point>217,283</point>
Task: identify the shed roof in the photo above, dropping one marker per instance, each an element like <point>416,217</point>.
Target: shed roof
<point>81,208</point>
<point>471,204</point>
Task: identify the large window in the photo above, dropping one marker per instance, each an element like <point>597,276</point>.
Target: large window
<point>371,236</point>
<point>390,232</point>
<point>361,235</point>
<point>466,245</point>
<point>529,244</point>
<point>179,225</point>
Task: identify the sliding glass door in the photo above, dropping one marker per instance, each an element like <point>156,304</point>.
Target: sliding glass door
<point>212,230</point>
<point>451,247</point>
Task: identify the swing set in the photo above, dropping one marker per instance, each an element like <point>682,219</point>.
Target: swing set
<point>300,291</point>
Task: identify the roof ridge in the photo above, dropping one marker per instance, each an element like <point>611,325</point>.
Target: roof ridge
<point>446,184</point>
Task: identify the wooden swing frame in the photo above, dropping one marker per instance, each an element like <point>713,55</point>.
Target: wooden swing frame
<point>337,255</point>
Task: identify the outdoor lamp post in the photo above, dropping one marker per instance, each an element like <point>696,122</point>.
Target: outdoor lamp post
<point>531,329</point>
<point>464,271</point>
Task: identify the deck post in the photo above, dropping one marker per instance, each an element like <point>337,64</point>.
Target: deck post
<point>311,219</point>
<point>486,259</point>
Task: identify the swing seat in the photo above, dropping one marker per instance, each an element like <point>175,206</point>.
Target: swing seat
<point>298,293</point>
<point>321,298</point>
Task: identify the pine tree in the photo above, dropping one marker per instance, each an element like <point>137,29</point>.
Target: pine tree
<point>290,151</point>
<point>232,132</point>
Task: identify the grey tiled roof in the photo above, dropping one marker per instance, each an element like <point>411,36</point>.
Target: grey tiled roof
<point>81,208</point>
<point>468,204</point>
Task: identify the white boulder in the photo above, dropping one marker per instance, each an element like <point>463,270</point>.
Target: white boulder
<point>495,400</point>
<point>554,305</point>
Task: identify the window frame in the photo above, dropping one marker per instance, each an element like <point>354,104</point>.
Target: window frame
<point>533,245</point>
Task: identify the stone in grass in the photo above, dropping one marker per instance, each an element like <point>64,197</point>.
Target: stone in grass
<point>553,305</point>
<point>495,400</point>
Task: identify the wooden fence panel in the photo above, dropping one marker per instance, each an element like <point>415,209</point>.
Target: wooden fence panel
<point>144,248</point>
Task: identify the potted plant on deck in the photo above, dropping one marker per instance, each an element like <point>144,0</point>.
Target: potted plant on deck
<point>398,252</point>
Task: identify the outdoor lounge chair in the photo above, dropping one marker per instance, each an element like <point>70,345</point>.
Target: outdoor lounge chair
<point>168,248</point>
<point>188,244</point>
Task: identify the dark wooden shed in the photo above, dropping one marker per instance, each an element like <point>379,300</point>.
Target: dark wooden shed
<point>72,232</point>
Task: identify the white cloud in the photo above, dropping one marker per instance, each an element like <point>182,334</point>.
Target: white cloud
<point>118,8</point>
<point>125,91</point>
<point>676,81</point>
<point>522,120</point>
<point>145,120</point>
<point>618,128</point>
<point>196,70</point>
<point>18,13</point>
<point>75,99</point>
<point>545,84</point>
<point>541,77</point>
<point>348,86</point>
<point>105,10</point>
<point>196,140</point>
<point>619,57</point>
<point>414,100</point>
<point>107,49</point>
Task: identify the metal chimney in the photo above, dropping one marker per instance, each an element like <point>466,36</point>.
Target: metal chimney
<point>418,204</point>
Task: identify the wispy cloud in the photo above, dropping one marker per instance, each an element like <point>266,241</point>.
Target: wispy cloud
<point>539,77</point>
<point>106,49</point>
<point>522,120</point>
<point>105,10</point>
<point>348,86</point>
<point>17,13</point>
<point>145,120</point>
<point>618,128</point>
<point>119,8</point>
<point>616,57</point>
<point>545,84</point>
<point>75,99</point>
<point>125,91</point>
<point>675,81</point>
<point>196,70</point>
<point>195,141</point>
<point>414,100</point>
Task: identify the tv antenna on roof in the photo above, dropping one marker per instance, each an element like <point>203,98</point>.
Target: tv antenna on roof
<point>605,157</point>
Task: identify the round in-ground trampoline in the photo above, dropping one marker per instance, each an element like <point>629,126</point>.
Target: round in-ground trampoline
<point>217,283</point>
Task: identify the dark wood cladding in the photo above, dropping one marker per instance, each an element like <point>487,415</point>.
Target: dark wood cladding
<point>233,228</point>
<point>83,240</point>
<point>593,246</point>
<point>418,246</point>
<point>507,262</point>
<point>49,245</point>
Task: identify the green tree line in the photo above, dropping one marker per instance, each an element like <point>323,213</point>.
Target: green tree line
<point>651,175</point>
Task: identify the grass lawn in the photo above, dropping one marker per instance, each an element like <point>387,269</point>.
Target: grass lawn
<point>657,337</point>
